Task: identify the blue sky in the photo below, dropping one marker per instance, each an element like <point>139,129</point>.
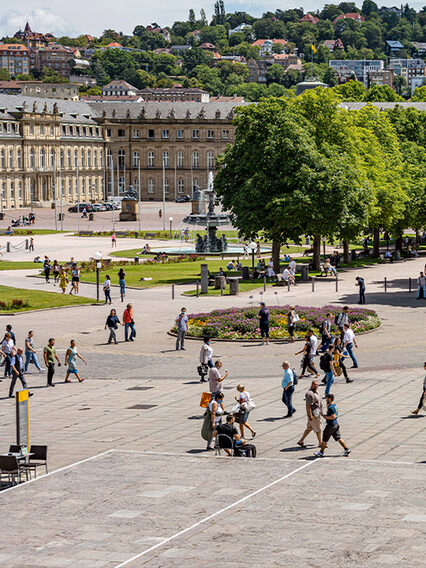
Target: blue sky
<point>93,16</point>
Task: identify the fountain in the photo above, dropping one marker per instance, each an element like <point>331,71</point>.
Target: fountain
<point>210,243</point>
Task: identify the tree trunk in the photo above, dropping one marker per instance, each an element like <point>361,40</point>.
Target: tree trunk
<point>376,243</point>
<point>345,251</point>
<point>398,243</point>
<point>276,248</point>
<point>417,237</point>
<point>317,252</point>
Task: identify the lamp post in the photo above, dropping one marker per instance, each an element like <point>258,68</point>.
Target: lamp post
<point>171,221</point>
<point>97,256</point>
<point>252,247</point>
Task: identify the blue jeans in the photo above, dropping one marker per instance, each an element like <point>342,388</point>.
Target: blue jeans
<point>325,340</point>
<point>287,399</point>
<point>130,326</point>
<point>107,296</point>
<point>122,286</point>
<point>349,348</point>
<point>330,380</point>
<point>421,289</point>
<point>30,356</point>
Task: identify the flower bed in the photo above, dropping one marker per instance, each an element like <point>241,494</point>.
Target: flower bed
<point>242,323</point>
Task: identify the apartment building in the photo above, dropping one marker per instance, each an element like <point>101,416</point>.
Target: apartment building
<point>360,68</point>
<point>15,58</point>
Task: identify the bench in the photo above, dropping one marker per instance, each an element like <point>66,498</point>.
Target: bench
<point>149,236</point>
<point>85,234</point>
<point>325,272</point>
<point>3,232</point>
<point>121,233</point>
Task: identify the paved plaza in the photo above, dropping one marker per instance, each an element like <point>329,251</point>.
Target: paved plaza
<point>149,491</point>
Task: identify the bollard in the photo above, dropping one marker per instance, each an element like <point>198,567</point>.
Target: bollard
<point>313,284</point>
<point>409,284</point>
<point>337,284</point>
<point>198,285</point>
<point>221,286</point>
<point>8,246</point>
<point>264,283</point>
<point>386,285</point>
<point>288,285</point>
<point>173,291</point>
<point>27,245</point>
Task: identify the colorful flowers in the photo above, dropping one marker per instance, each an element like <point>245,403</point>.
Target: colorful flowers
<point>242,323</point>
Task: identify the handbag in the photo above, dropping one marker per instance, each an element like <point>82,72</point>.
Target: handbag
<point>205,399</point>
<point>295,318</point>
<point>235,408</point>
<point>250,405</point>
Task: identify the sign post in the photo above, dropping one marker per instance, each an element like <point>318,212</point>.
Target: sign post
<point>22,419</point>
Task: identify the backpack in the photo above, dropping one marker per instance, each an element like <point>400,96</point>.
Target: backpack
<point>245,451</point>
<point>337,319</point>
<point>324,363</point>
<point>295,377</point>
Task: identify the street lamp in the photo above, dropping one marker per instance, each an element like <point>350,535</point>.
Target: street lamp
<point>97,256</point>
<point>171,221</point>
<point>252,247</point>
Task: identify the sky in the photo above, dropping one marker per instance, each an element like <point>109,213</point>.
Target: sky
<point>94,16</point>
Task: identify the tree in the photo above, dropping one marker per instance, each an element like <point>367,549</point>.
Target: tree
<point>4,75</point>
<point>330,77</point>
<point>382,93</point>
<point>144,79</point>
<point>49,75</point>
<point>352,91</point>
<point>369,7</point>
<point>419,94</point>
<point>274,73</point>
<point>193,57</point>
<point>191,18</point>
<point>98,71</point>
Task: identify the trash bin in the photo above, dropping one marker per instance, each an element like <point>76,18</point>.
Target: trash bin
<point>233,286</point>
<point>246,273</point>
<point>304,273</point>
<point>397,255</point>
<point>1,216</point>
<point>136,260</point>
<point>91,216</point>
<point>353,254</point>
<point>217,282</point>
<point>61,216</point>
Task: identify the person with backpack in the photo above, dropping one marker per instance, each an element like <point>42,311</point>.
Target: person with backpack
<point>107,289</point>
<point>360,282</point>
<point>327,365</point>
<point>263,317</point>
<point>287,384</point>
<point>332,428</point>
<point>307,361</point>
<point>243,398</point>
<point>349,342</point>
<point>325,330</point>
<point>206,363</point>
<point>17,367</point>
<point>341,319</point>
<point>339,360</point>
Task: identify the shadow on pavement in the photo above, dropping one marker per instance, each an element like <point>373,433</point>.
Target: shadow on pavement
<point>400,299</point>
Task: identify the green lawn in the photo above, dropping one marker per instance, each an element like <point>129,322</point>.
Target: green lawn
<point>36,300</point>
<point>21,265</point>
<point>32,232</point>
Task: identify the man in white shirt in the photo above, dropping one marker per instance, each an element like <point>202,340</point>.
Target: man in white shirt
<point>421,286</point>
<point>292,266</point>
<point>7,349</point>
<point>349,342</point>
<point>215,379</point>
<point>287,275</point>
<point>314,342</point>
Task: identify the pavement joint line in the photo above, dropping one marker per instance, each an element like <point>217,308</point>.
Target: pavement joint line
<point>213,515</point>
<point>56,471</point>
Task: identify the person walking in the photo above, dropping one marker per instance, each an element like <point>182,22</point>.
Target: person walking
<point>307,361</point>
<point>113,240</point>
<point>71,360</point>
<point>313,411</point>
<point>17,367</point>
<point>327,365</point>
<point>75,278</point>
<point>129,323</point>
<point>288,389</point>
<point>341,319</point>
<point>49,359</point>
<point>292,318</point>
<point>46,269</point>
<point>84,216</point>
<point>216,412</point>
<point>112,324</point>
<point>332,428</point>
<point>360,282</point>
<point>422,398</point>
<point>246,404</point>
<point>63,280</point>
<point>122,283</point>
<point>263,317</point>
<point>182,328</point>
<point>107,289</point>
<point>206,355</point>
<point>349,342</point>
<point>421,286</point>
<point>31,245</point>
<point>325,329</point>
<point>10,332</point>
<point>339,360</point>
<point>7,349</point>
<point>56,269</point>
<point>215,379</point>
<point>30,353</point>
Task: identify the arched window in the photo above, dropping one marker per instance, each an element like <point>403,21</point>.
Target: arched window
<point>42,158</point>
<point>32,160</point>
<point>150,186</point>
<point>12,190</point>
<point>69,158</point>
<point>179,161</point>
<point>10,158</point>
<point>52,157</point>
<point>3,160</point>
<point>62,158</point>
<point>166,185</point>
<point>89,159</point>
<point>95,158</point>
<point>195,159</point>
<point>136,159</point>
<point>19,159</point>
<point>19,189</point>
<point>76,158</point>
<point>110,162</point>
<point>180,185</point>
<point>82,158</point>
<point>210,160</point>
<point>150,159</point>
<point>195,184</point>
<point>166,160</point>
<point>121,159</point>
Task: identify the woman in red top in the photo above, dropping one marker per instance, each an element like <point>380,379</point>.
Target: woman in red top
<point>129,323</point>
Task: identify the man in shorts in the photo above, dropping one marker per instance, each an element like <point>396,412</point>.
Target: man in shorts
<point>313,411</point>
<point>332,428</point>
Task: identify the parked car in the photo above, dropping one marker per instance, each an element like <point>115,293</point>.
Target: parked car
<point>80,207</point>
<point>183,199</point>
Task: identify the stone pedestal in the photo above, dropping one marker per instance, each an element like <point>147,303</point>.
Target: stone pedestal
<point>204,278</point>
<point>129,210</point>
<point>195,207</point>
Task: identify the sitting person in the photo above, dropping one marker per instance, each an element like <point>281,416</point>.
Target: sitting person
<point>327,267</point>
<point>259,266</point>
<point>388,255</point>
<point>270,272</point>
<point>9,230</point>
<point>221,273</point>
<point>287,275</point>
<point>286,258</point>
<point>37,259</point>
<point>230,265</point>
<point>230,430</point>
<point>238,266</point>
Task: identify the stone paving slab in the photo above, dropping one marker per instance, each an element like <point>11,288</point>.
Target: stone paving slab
<point>281,513</point>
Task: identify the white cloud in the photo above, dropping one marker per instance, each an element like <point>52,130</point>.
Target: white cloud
<point>40,19</point>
